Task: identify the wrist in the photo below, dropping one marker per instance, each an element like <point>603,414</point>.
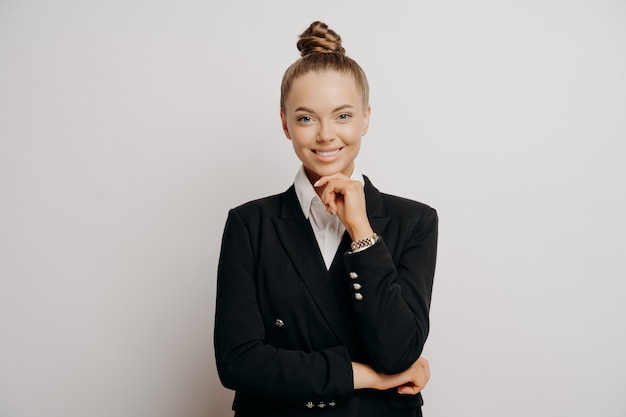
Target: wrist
<point>362,244</point>
<point>360,232</point>
<point>364,376</point>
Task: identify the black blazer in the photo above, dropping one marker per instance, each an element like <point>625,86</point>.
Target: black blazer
<point>287,329</point>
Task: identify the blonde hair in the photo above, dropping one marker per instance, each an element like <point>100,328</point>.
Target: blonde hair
<point>320,49</point>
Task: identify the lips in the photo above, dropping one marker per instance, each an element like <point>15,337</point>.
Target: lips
<point>327,153</point>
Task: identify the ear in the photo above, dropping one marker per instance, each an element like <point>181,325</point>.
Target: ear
<point>283,120</point>
<point>366,120</point>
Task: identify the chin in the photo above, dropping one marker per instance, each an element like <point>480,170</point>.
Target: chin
<point>324,171</point>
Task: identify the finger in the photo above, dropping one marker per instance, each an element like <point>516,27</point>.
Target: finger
<point>408,389</point>
<point>328,197</point>
<point>323,180</point>
<point>320,183</point>
<point>331,204</point>
<point>426,367</point>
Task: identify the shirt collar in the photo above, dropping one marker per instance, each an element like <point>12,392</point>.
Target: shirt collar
<point>306,193</point>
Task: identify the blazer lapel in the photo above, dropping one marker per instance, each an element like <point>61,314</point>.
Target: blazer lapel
<point>375,209</point>
<point>298,240</point>
<point>297,237</point>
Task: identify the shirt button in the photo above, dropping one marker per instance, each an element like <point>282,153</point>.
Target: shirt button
<point>354,275</point>
<point>356,286</point>
<point>358,296</point>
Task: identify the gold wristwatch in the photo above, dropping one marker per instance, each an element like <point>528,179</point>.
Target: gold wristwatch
<point>361,244</point>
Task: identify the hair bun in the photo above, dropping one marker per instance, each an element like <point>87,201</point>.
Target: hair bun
<point>319,39</point>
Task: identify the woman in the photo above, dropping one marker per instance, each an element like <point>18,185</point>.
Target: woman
<point>324,290</point>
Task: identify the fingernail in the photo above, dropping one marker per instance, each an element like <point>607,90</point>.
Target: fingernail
<point>316,183</point>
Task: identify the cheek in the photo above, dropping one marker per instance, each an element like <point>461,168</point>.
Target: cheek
<point>299,145</point>
<point>301,137</point>
<point>354,134</point>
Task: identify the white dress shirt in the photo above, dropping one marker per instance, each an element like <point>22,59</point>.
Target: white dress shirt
<point>327,227</point>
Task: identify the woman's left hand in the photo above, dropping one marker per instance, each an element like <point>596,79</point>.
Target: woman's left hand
<point>419,374</point>
<point>346,198</point>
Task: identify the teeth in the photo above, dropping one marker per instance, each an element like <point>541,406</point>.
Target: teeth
<point>327,153</point>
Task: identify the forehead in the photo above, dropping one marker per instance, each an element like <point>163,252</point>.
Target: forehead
<point>324,89</point>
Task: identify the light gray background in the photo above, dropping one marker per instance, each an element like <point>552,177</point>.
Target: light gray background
<point>129,128</point>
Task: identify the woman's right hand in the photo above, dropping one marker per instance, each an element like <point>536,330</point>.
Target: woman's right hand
<point>410,381</point>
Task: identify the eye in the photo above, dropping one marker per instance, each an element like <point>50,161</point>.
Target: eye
<point>344,116</point>
<point>305,119</point>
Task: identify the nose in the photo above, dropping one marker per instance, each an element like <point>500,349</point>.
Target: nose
<point>326,133</point>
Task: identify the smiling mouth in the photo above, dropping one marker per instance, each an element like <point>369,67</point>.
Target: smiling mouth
<point>327,153</point>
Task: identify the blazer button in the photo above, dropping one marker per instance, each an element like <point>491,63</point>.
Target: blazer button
<point>358,296</point>
<point>356,286</point>
<point>322,404</point>
<point>354,275</point>
<point>332,403</point>
<point>310,404</point>
<point>279,323</point>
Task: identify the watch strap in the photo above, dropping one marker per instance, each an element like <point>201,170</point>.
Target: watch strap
<point>361,244</point>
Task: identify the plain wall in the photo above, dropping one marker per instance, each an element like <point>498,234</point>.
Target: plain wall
<point>129,128</point>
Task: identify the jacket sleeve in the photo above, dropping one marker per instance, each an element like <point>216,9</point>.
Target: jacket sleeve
<point>245,362</point>
<point>391,297</point>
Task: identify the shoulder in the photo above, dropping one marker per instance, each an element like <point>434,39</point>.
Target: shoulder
<point>410,214</point>
<point>267,207</point>
<point>260,203</point>
<point>397,207</point>
<point>258,208</point>
<point>394,202</point>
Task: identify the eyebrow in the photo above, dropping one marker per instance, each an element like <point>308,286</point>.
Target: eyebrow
<point>307,110</point>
